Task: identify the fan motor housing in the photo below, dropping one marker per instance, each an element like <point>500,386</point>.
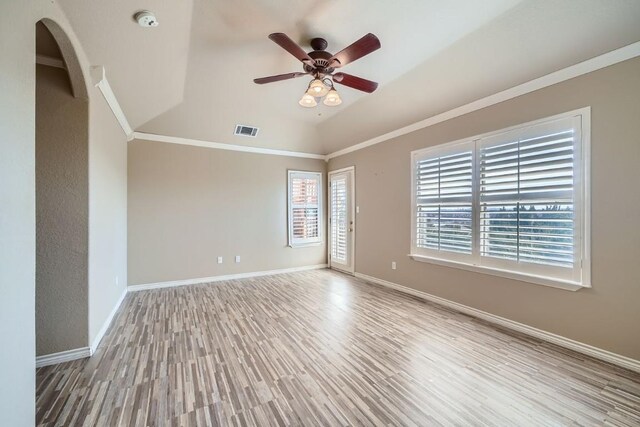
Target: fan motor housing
<point>318,43</point>
<point>320,55</point>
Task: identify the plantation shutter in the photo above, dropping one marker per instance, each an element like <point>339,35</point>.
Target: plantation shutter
<point>443,201</point>
<point>304,208</point>
<point>339,219</point>
<point>512,203</point>
<point>526,196</point>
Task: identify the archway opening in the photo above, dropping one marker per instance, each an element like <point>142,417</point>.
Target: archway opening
<point>62,197</point>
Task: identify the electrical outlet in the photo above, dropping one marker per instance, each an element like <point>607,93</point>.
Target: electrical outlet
<point>219,260</point>
<point>393,265</point>
<point>237,258</point>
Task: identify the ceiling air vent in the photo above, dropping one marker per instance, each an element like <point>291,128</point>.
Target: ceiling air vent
<point>243,130</point>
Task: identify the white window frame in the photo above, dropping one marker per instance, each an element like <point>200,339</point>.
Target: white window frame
<point>312,241</point>
<point>532,274</point>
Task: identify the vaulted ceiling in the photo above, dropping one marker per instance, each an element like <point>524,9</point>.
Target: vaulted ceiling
<point>192,76</point>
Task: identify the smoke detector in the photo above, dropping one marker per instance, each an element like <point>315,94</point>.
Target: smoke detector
<point>145,18</point>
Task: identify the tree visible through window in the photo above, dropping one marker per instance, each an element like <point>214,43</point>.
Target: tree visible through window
<point>512,200</point>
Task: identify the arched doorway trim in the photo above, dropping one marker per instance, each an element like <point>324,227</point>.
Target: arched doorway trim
<point>76,75</point>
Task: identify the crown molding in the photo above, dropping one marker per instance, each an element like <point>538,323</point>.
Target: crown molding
<point>585,67</point>
<point>99,79</point>
<point>223,146</point>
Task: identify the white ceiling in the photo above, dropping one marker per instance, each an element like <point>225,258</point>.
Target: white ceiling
<point>192,76</point>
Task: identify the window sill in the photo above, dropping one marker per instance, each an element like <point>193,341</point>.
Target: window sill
<point>523,277</point>
<point>304,245</point>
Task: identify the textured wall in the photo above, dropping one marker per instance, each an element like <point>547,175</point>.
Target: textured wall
<point>62,133</point>
<point>605,316</point>
<point>18,199</point>
<point>189,205</point>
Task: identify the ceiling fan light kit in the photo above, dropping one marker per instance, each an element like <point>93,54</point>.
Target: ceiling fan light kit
<point>307,101</point>
<point>317,88</point>
<point>332,99</point>
<point>321,65</point>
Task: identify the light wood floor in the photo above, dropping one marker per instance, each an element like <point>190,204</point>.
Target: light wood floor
<point>322,348</point>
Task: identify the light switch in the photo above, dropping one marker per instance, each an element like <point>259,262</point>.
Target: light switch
<point>219,260</point>
<point>237,258</point>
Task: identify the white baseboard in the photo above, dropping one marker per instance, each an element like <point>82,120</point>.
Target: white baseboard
<point>107,323</point>
<point>63,356</point>
<point>80,353</point>
<point>598,353</point>
<point>170,284</point>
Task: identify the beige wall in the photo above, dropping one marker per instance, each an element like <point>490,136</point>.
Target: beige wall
<point>62,133</point>
<point>17,201</point>
<point>606,316</point>
<point>189,205</point>
<point>76,293</point>
<point>107,212</point>
<point>17,213</point>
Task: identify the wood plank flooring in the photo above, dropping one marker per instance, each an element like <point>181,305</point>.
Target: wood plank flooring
<point>322,348</point>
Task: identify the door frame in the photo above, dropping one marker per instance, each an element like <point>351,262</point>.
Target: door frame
<point>352,190</point>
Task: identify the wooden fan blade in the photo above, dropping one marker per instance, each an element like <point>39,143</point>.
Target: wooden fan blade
<point>292,47</point>
<point>355,82</point>
<point>357,50</point>
<point>263,80</point>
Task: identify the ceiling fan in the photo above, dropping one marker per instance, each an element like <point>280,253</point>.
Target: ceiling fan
<point>322,65</point>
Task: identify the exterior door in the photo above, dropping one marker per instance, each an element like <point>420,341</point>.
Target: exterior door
<point>342,219</point>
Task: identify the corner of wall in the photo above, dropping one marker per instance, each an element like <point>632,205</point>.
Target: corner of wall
<point>107,215</point>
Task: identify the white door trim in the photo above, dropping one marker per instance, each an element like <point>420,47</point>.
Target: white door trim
<point>352,194</point>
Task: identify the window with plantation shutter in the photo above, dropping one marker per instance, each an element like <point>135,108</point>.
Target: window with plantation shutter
<point>338,219</point>
<point>443,196</point>
<point>511,203</point>
<point>305,208</point>
<point>526,198</point>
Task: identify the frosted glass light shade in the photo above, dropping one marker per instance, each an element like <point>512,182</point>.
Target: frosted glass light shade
<point>307,101</point>
<point>317,88</point>
<point>332,99</point>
